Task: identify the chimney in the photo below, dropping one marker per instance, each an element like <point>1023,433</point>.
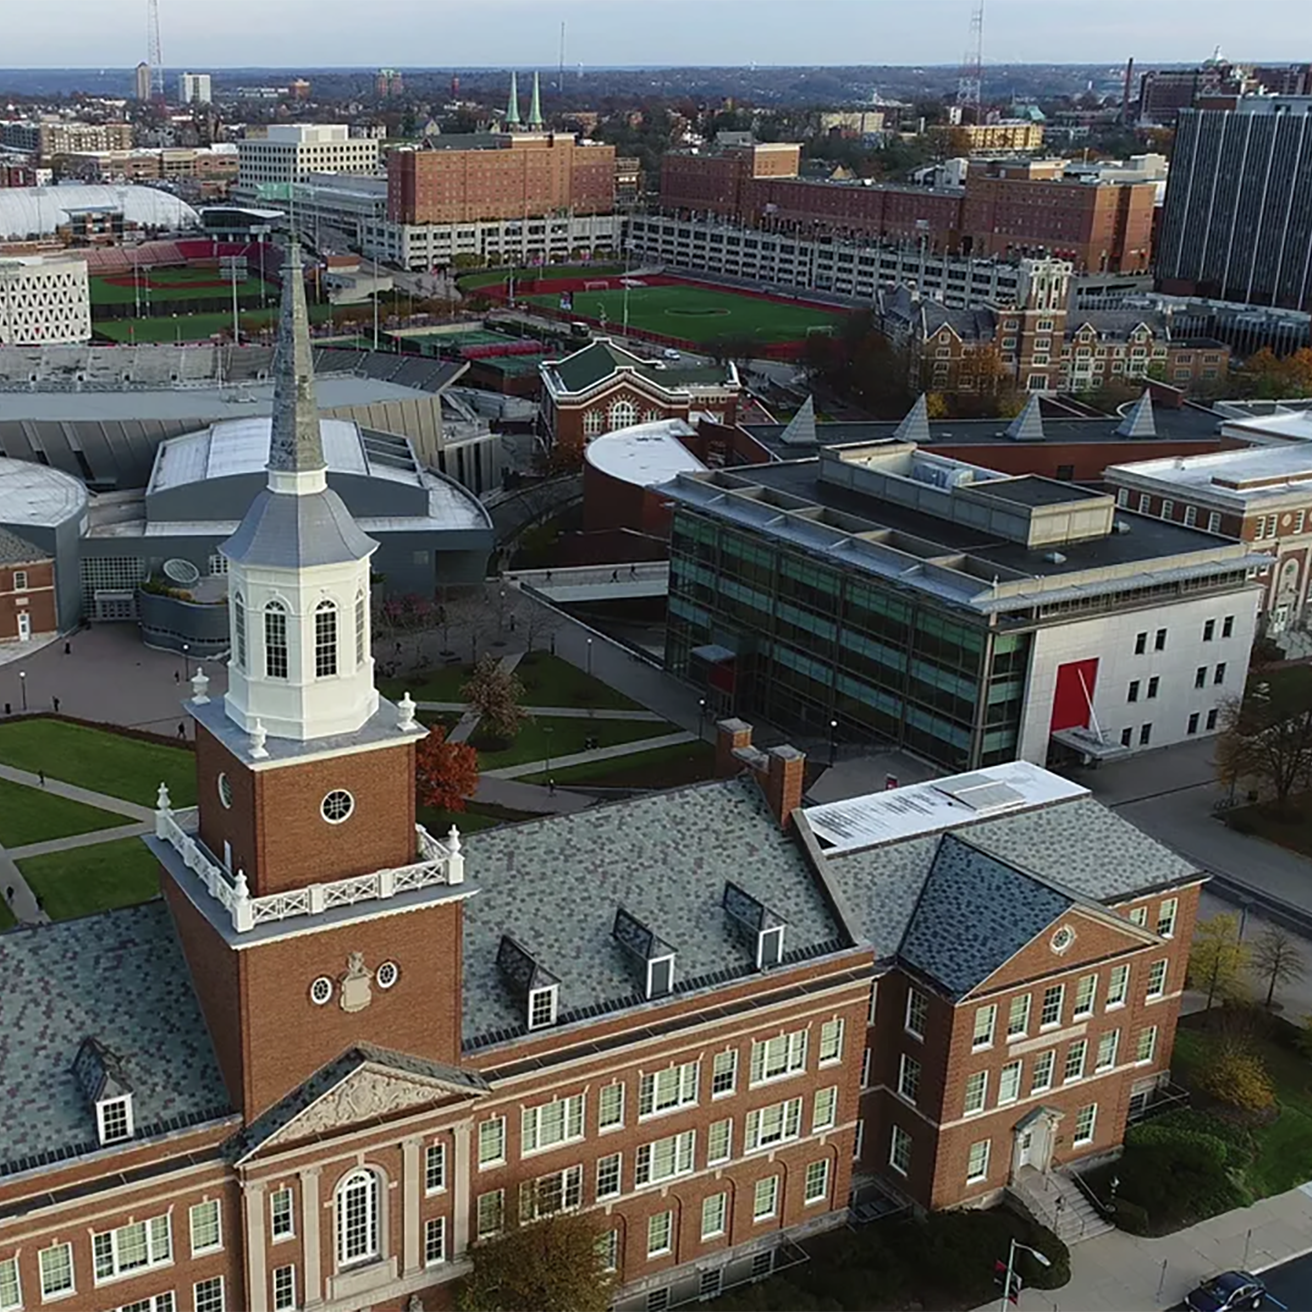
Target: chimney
<point>780,772</point>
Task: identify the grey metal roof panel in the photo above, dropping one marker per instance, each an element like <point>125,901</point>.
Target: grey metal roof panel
<point>121,979</point>
<point>974,914</point>
<point>297,532</point>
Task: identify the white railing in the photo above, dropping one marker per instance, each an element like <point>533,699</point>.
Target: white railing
<point>439,863</point>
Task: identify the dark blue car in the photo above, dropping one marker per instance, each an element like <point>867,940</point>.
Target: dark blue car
<point>1228,1292</point>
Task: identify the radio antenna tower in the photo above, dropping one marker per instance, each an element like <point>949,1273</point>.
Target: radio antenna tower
<point>972,68</point>
<point>560,76</point>
<point>154,54</point>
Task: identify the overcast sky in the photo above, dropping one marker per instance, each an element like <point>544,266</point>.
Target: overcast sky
<point>446,33</point>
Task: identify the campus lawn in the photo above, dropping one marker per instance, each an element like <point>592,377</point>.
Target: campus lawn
<point>702,314</point>
<point>477,278</point>
<point>548,681</point>
<point>32,815</point>
<point>7,917</point>
<point>477,815</point>
<point>104,762</point>
<point>656,768</point>
<point>443,683</point>
<point>191,327</point>
<point>88,879</point>
<point>173,285</point>
<point>556,736</point>
<point>1290,827</point>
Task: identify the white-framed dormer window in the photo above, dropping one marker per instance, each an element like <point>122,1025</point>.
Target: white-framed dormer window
<point>357,1218</point>
<point>660,976</point>
<point>114,1119</point>
<point>542,1007</point>
<point>769,947</point>
<point>325,640</point>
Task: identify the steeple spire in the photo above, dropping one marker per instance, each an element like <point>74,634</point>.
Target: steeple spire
<point>295,443</point>
<point>512,108</point>
<point>535,106</point>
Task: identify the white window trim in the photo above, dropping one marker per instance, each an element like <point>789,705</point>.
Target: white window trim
<point>984,1095</point>
<point>902,1061</point>
<point>809,1199</point>
<point>377,1245</point>
<point>609,1127</point>
<point>1019,1067</point>
<point>983,1174</point>
<point>757,1215</point>
<point>118,1273</point>
<point>1174,904</point>
<point>534,1019</point>
<point>536,1113</point>
<point>733,1071</point>
<point>102,1110</point>
<point>18,1285</point>
<point>728,1142</point>
<point>1160,993</point>
<point>893,1141</point>
<point>1076,1013</point>
<point>499,1160</point>
<point>722,1227</point>
<point>223,1292</point>
<point>1013,1036</point>
<point>191,1226</point>
<point>1115,1004</point>
<point>1061,1008</point>
<point>817,1125</point>
<point>71,1290</point>
<point>618,1159</point>
<point>431,1191</point>
<point>790,1071</point>
<point>669,1234</point>
<point>682,1102</point>
<point>273,1299</point>
<point>912,995</point>
<point>1152,1055</point>
<point>821,1060</point>
<point>1093,1128</point>
<point>981,1045</point>
<point>1051,1054</point>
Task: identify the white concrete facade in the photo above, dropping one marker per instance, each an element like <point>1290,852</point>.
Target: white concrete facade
<point>44,301</point>
<point>1175,697</point>
<point>291,152</point>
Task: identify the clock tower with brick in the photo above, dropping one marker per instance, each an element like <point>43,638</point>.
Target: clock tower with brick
<point>313,911</point>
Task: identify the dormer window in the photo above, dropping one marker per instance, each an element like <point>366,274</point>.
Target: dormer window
<point>761,929</point>
<point>769,947</point>
<point>650,956</point>
<point>114,1119</point>
<point>537,988</point>
<point>660,977</point>
<point>542,1007</point>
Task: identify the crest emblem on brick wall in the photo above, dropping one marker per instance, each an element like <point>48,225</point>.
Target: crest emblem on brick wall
<point>356,993</point>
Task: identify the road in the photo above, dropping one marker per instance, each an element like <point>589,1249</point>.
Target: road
<point>1289,1286</point>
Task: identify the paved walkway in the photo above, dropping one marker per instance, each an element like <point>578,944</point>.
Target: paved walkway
<point>1118,1272</point>
<point>586,758</point>
<point>560,712</point>
<point>463,730</point>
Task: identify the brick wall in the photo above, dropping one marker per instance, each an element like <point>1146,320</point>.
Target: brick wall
<point>36,598</point>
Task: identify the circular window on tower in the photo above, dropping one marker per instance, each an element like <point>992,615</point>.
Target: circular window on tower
<point>387,974</point>
<point>1062,939</point>
<point>337,806</point>
<point>321,991</point>
<point>225,791</point>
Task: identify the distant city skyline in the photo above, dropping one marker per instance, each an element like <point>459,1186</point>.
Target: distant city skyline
<point>525,33</point>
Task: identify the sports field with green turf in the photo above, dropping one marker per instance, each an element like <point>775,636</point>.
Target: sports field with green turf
<point>191,327</point>
<point>171,284</point>
<point>473,280</point>
<point>702,314</point>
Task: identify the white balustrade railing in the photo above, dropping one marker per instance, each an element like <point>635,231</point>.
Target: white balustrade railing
<point>440,863</point>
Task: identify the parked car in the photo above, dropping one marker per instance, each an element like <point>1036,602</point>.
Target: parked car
<point>671,354</point>
<point>1228,1292</point>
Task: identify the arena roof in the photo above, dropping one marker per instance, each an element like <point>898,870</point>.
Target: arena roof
<point>39,211</point>
<point>1287,425</point>
<point>37,495</point>
<point>644,454</point>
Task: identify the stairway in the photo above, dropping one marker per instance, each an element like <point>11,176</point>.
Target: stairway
<point>1057,1201</point>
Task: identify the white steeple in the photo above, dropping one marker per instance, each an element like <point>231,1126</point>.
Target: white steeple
<point>298,569</point>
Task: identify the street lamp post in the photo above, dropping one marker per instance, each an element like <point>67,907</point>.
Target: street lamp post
<point>701,718</point>
<point>22,683</point>
<point>589,657</point>
<point>1040,1258</point>
<point>833,741</point>
<point>547,731</point>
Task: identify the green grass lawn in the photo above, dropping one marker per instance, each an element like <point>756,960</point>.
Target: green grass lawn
<point>105,762</point>
<point>555,736</point>
<point>702,314</point>
<point>175,285</point>
<point>493,277</point>
<point>658,767</point>
<point>7,918</point>
<point>191,327</point>
<point>548,681</point>
<point>477,815</point>
<point>88,879</point>
<point>1292,828</point>
<point>32,815</point>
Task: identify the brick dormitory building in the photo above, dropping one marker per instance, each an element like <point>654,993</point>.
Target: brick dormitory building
<point>339,1051</point>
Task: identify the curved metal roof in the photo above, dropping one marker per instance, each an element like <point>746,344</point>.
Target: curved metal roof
<point>39,211</point>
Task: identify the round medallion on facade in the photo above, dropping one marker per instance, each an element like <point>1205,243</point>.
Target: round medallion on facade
<point>387,974</point>
<point>225,791</point>
<point>321,991</point>
<point>1062,939</point>
<point>337,806</point>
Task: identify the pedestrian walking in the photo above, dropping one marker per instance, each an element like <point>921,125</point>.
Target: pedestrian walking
<point>633,571</point>
<point>182,731</point>
<point>614,576</point>
<point>54,701</point>
<point>551,787</point>
<point>177,678</point>
<point>41,774</point>
<point>9,893</point>
<point>68,649</point>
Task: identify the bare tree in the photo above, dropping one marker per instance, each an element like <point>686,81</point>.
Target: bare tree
<point>1276,959</point>
<point>1268,735</point>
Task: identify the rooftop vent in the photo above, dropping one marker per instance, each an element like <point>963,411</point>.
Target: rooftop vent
<point>759,927</point>
<point>1054,557</point>
<point>652,956</point>
<point>1121,526</point>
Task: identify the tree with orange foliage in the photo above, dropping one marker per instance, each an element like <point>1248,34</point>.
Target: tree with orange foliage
<point>446,774</point>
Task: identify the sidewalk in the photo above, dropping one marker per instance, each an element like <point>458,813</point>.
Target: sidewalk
<point>586,758</point>
<point>1118,1272</point>
<point>559,712</point>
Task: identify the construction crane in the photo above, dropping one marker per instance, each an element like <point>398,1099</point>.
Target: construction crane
<point>154,54</point>
<point>972,68</point>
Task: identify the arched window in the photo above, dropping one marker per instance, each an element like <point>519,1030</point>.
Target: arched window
<point>325,640</point>
<point>623,414</point>
<point>357,1218</point>
<point>361,628</point>
<point>239,631</point>
<point>275,640</point>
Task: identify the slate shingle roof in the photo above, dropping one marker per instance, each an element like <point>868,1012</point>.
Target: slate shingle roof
<point>15,550</point>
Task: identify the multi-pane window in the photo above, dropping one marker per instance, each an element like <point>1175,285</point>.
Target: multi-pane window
<point>865,1069</point>
<point>1009,1082</point>
<point>719,1142</point>
<point>435,1241</point>
<point>765,1198</point>
<point>1156,979</point>
<point>541,1007</point>
<point>899,1152</point>
<point>977,1087</point>
<point>133,1247</point>
<point>817,1181</point>
<point>1074,1068</point>
<point>1118,986</point>
<point>1139,916</point>
<point>207,1295</point>
<point>357,1218</point>
<point>610,1106</point>
<point>977,1161</point>
<point>361,629</point>
<point>275,641</point>
<point>284,1288</point>
<point>771,1125</point>
<point>724,1072</point>
<point>917,1013</point>
<point>908,1077</point>
<point>1041,1071</point>
<point>491,1213</point>
<point>665,1159</point>
<point>206,1230</point>
<point>115,1119</point>
<point>715,1215</point>
<point>281,1221</point>
<point>824,1111</point>
<point>1085,1119</point>
<point>1228,624</point>
<point>11,1292</point>
<point>557,1192</point>
<point>660,1232</point>
<point>1145,1048</point>
<point>608,1246</point>
<point>1108,1044</point>
<point>1050,1012</point>
<point>831,1041</point>
<point>662,1091</point>
<point>56,1266</point>
<point>239,630</point>
<point>608,1175</point>
<point>435,1168</point>
<point>1086,993</point>
<point>555,1122</point>
<point>492,1142</point>
<point>772,1059</point>
<point>1018,1016</point>
<point>325,640</point>
<point>985,1019</point>
<point>1166,915</point>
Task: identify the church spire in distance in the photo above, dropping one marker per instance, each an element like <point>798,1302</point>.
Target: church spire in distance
<point>512,106</point>
<point>535,105</point>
